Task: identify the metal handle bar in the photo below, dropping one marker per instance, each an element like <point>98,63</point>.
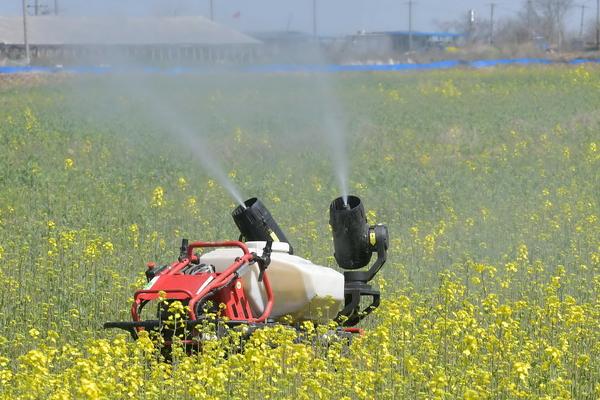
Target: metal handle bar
<point>230,243</point>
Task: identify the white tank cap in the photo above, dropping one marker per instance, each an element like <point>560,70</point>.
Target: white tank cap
<point>279,247</point>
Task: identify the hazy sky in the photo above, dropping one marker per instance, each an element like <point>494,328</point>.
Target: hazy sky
<point>334,16</point>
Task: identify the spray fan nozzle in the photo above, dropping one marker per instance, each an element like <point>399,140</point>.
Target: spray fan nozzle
<point>354,240</point>
<point>256,223</point>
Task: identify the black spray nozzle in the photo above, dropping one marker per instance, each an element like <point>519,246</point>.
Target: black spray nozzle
<point>354,241</point>
<point>183,249</point>
<point>256,223</point>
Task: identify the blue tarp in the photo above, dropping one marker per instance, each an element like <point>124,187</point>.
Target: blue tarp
<point>294,68</point>
<point>509,61</point>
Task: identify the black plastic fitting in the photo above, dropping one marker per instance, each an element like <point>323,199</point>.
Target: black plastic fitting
<point>354,242</point>
<point>350,233</point>
<point>256,224</point>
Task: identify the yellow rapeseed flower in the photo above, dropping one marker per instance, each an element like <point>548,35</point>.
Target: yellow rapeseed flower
<point>158,197</point>
<point>182,183</point>
<point>69,163</point>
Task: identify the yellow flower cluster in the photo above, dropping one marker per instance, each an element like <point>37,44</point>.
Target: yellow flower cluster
<point>461,346</point>
<point>158,197</point>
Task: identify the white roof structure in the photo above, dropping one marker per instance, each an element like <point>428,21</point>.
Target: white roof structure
<point>138,31</point>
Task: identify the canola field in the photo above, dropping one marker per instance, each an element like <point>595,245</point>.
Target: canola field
<point>489,182</point>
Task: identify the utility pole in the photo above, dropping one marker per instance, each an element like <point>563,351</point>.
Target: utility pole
<point>581,22</point>
<point>471,20</point>
<point>529,18</point>
<point>314,12</point>
<point>25,39</point>
<point>55,7</point>
<point>597,24</point>
<point>410,4</point>
<point>558,31</point>
<point>212,10</point>
<point>492,9</point>
<point>36,7</point>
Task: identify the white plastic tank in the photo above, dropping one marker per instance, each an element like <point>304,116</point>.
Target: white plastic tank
<point>301,289</point>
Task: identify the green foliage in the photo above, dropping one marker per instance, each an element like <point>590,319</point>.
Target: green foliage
<point>488,181</point>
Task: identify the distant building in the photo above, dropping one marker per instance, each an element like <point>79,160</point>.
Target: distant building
<point>299,47</point>
<point>283,39</point>
<point>391,44</point>
<point>289,47</point>
<point>147,40</point>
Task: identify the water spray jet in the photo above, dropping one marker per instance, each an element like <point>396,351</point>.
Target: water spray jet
<point>261,283</point>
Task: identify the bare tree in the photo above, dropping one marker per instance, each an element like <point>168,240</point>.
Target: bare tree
<point>521,28</point>
<point>474,31</point>
<point>552,15</point>
<point>538,21</point>
<point>513,31</point>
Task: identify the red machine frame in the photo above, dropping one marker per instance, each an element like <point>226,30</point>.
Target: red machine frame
<point>172,284</point>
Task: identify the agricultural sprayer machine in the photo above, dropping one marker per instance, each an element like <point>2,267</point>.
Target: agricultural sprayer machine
<point>257,280</point>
